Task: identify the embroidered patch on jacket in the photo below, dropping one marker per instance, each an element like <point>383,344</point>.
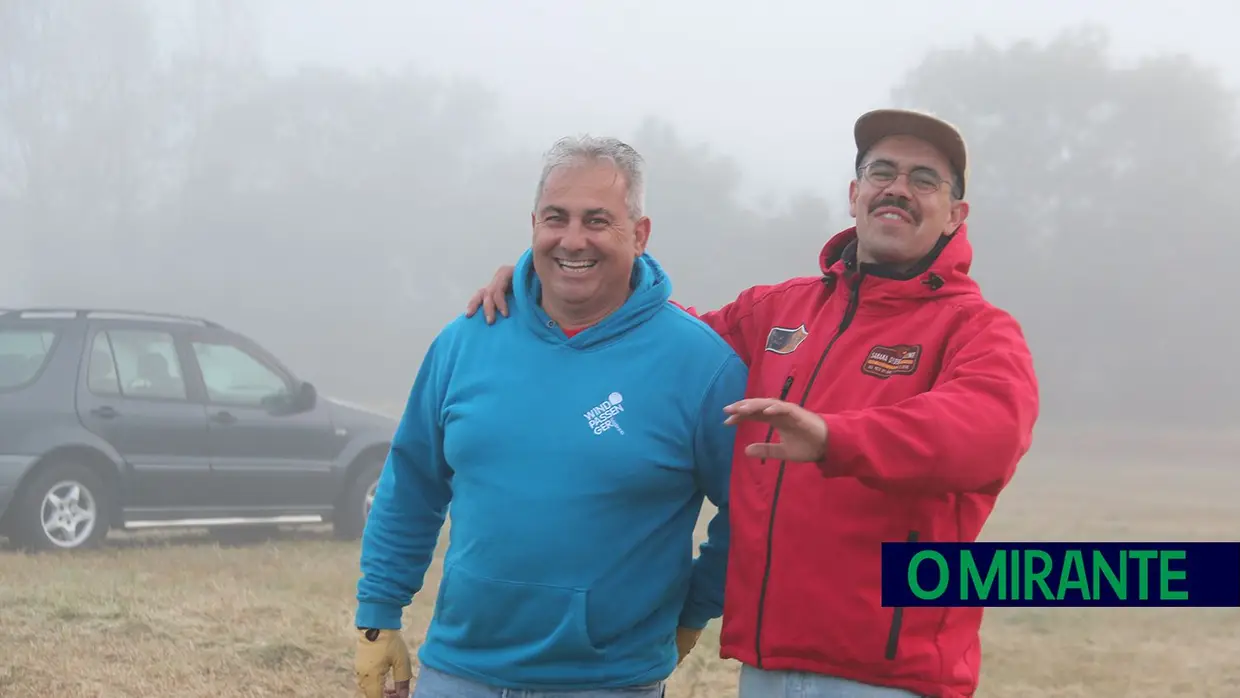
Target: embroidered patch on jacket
<point>885,362</point>
<point>782,340</point>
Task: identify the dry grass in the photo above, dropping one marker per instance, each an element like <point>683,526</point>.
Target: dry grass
<point>184,616</point>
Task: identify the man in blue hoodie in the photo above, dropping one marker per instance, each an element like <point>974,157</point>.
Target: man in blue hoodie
<point>575,449</point>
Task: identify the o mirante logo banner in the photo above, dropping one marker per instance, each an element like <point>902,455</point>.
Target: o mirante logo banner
<point>1062,574</point>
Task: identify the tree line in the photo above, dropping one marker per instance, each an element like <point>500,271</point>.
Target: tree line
<point>341,219</point>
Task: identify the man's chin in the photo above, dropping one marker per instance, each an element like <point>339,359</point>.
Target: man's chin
<point>886,246</point>
<point>568,292</point>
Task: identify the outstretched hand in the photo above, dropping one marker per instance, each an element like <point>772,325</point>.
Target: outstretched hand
<point>802,434</point>
<point>493,296</point>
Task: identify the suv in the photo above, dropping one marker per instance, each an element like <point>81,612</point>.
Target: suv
<point>120,419</point>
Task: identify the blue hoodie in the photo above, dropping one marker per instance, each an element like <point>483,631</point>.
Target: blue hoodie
<point>576,470</point>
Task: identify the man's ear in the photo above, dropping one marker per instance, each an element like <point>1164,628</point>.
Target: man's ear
<point>853,192</point>
<point>642,234</point>
<point>960,211</point>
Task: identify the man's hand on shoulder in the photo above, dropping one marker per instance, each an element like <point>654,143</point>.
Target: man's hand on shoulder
<point>493,296</point>
<point>686,640</point>
<point>378,652</point>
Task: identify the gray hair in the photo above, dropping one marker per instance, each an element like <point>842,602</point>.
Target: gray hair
<point>629,162</point>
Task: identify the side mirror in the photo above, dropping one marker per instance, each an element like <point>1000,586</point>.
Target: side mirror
<point>306,396</point>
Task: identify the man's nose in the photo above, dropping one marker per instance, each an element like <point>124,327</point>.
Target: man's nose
<point>899,186</point>
<point>575,237</point>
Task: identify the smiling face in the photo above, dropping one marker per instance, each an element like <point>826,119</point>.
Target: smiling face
<point>902,201</point>
<point>585,242</point>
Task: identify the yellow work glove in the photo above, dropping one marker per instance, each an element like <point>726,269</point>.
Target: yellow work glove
<point>379,651</point>
<point>686,640</point>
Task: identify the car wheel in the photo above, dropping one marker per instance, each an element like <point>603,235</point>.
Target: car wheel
<point>63,508</point>
<point>350,518</point>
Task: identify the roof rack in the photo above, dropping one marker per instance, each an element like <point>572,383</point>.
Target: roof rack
<point>86,313</point>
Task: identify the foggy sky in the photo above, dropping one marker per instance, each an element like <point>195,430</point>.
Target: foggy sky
<point>776,85</point>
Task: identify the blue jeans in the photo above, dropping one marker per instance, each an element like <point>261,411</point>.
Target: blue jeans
<point>758,683</point>
<point>436,684</point>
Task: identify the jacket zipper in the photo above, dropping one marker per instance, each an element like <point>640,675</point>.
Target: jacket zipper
<point>897,619</point>
<point>770,530</point>
<point>849,312</point>
<point>783,395</point>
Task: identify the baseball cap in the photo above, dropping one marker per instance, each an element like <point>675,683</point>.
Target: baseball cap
<point>873,126</point>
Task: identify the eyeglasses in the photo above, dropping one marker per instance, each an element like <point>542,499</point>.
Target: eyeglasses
<point>922,180</point>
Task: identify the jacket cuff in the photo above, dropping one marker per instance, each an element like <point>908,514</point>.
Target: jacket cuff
<point>378,615</point>
<point>842,448</point>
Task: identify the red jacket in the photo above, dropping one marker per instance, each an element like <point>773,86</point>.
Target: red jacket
<point>930,398</point>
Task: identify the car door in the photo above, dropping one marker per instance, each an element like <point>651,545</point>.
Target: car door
<point>133,394</point>
<point>263,454</point>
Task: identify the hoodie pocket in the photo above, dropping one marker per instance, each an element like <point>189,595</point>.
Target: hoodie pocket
<point>521,618</point>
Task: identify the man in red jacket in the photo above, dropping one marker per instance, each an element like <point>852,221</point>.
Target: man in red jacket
<point>900,402</point>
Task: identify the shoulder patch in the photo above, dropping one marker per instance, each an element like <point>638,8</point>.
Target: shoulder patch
<point>782,340</point>
<point>883,362</point>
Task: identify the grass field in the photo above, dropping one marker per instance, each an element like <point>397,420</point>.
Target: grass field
<point>158,615</point>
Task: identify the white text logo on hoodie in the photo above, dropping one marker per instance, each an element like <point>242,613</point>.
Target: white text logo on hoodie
<point>602,416</point>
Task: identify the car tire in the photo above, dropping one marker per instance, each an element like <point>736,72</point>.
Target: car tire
<point>81,515</point>
<point>349,520</point>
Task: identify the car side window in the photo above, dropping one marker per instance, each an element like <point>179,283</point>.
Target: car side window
<point>147,365</point>
<point>22,355</point>
<point>101,376</point>
<point>234,377</point>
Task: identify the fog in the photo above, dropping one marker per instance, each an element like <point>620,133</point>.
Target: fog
<point>334,179</point>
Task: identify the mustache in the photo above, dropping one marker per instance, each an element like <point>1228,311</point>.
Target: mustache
<point>896,202</point>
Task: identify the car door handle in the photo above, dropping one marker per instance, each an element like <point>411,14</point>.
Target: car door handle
<point>105,412</point>
<point>223,418</point>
